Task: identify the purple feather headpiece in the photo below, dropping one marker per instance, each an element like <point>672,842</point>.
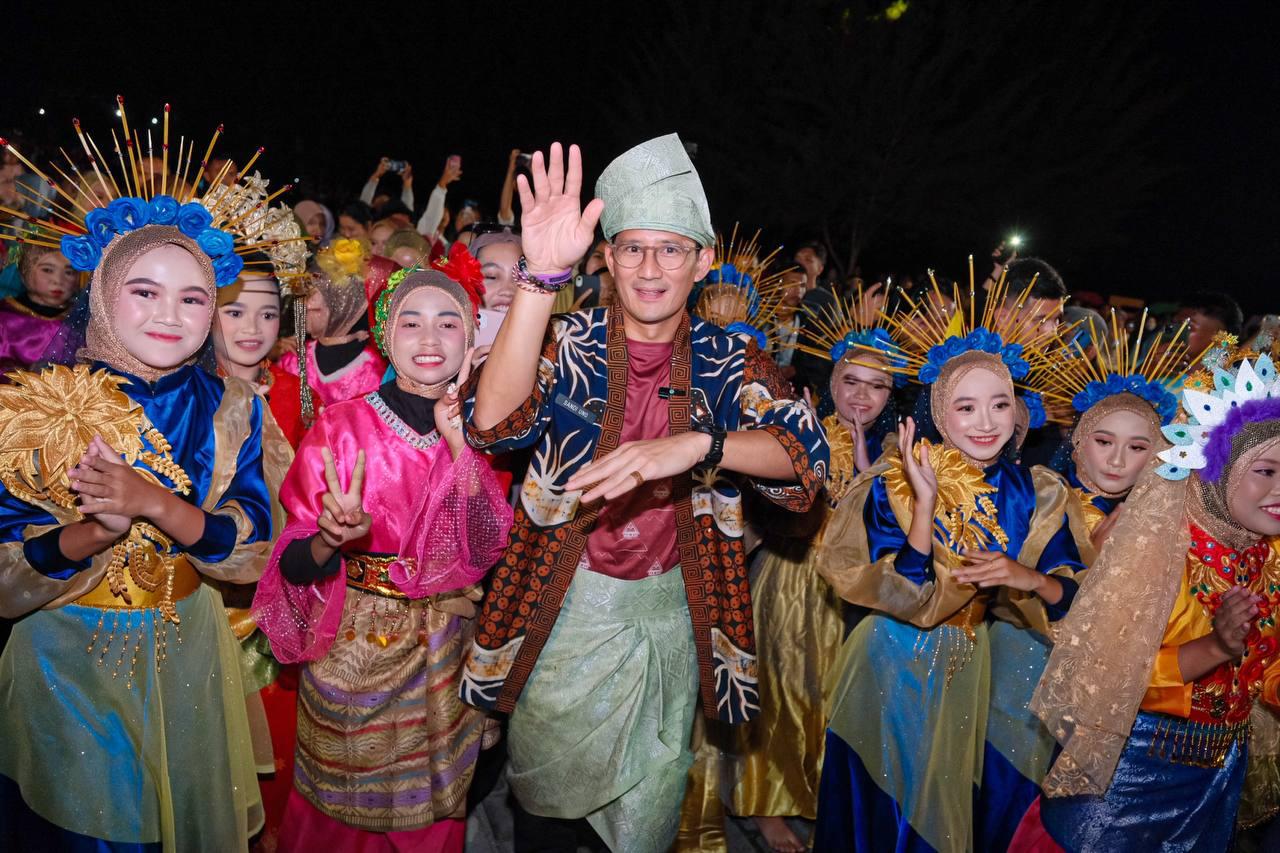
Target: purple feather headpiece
<point>1217,450</point>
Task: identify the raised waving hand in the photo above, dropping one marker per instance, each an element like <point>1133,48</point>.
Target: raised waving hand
<point>555,229</point>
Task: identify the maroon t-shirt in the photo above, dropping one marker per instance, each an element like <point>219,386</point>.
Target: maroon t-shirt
<point>635,535</point>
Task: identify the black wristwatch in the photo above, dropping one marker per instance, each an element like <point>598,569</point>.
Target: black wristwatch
<point>716,453</point>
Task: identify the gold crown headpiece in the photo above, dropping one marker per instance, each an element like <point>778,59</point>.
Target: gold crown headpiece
<point>89,209</point>
<point>1117,366</point>
<point>740,294</point>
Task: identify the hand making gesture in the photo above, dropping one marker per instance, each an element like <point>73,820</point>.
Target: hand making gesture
<point>555,229</point>
<point>113,494</point>
<point>920,474</point>
<point>861,458</point>
<point>343,518</point>
<point>924,485</point>
<point>995,568</point>
<point>1234,619</point>
<point>110,490</point>
<point>637,462</point>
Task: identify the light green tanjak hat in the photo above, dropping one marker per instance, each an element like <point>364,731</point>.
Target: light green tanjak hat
<point>655,187</point>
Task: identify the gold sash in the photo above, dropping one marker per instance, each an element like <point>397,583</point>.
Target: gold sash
<point>186,580</point>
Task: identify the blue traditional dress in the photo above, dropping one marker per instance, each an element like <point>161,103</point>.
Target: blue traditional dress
<point>124,730</point>
<point>1019,749</point>
<point>911,688</point>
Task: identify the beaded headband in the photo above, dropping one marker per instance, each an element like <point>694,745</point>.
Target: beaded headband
<point>459,266</point>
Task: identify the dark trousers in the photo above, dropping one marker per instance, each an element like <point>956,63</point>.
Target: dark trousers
<point>537,834</point>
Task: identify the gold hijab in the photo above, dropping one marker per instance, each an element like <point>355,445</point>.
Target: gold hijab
<point>101,341</point>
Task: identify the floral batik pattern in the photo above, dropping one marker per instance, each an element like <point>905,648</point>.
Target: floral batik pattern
<point>574,415</point>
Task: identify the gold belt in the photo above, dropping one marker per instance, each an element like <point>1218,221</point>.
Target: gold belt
<point>369,573</point>
<point>1197,744</point>
<point>185,581</point>
<point>971,615</point>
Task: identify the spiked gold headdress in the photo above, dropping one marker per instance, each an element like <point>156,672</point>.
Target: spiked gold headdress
<point>741,295</point>
<point>89,210</point>
<point>1117,367</point>
<point>845,329</point>
<point>929,333</point>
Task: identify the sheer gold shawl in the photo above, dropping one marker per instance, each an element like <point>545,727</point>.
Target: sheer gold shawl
<point>1101,663</point>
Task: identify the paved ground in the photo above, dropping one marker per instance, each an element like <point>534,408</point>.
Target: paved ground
<point>489,828</point>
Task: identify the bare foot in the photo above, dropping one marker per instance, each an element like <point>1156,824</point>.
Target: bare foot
<point>778,835</point>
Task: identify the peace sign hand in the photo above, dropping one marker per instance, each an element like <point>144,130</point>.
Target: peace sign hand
<point>555,230</point>
<point>343,518</point>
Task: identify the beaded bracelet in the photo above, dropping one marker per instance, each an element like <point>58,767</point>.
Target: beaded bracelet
<point>527,281</point>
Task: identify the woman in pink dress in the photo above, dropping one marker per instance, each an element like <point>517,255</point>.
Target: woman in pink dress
<point>373,584</point>
<point>341,361</point>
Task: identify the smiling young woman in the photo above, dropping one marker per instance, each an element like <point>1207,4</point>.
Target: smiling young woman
<point>935,536</point>
<point>373,583</point>
<point>245,331</point>
<point>152,478</point>
<point>1155,729</point>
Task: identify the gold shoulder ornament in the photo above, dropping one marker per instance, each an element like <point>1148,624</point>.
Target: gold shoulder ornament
<point>1093,516</point>
<point>47,421</point>
<point>840,473</point>
<point>964,511</point>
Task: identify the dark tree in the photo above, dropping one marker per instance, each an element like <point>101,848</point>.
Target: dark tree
<point>935,120</point>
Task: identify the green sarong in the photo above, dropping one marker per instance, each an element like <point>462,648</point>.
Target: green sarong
<point>602,727</point>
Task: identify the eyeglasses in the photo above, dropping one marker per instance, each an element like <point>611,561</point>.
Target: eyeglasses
<point>670,256</point>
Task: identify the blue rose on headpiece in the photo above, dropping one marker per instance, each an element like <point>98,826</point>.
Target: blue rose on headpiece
<point>749,330</point>
<point>128,213</point>
<point>1161,399</point>
<point>164,210</point>
<point>838,351</point>
<point>82,251</point>
<point>1165,402</point>
<point>1011,355</point>
<point>215,243</point>
<point>192,219</point>
<point>940,354</point>
<point>979,340</point>
<point>726,274</point>
<point>1035,409</point>
<point>101,226</point>
<point>226,268</point>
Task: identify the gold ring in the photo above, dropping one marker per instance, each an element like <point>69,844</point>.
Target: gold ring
<point>639,478</point>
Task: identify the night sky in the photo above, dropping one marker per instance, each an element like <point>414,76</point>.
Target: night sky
<point>328,95</point>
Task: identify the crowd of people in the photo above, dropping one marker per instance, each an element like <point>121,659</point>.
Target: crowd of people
<point>313,527</point>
